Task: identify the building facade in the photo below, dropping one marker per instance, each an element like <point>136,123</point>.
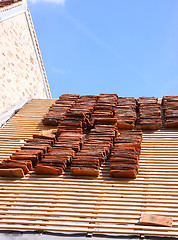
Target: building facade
<point>22,73</point>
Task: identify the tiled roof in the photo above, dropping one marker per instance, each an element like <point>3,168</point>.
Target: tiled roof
<point>99,205</point>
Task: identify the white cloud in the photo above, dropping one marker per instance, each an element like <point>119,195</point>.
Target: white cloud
<point>59,70</point>
<point>62,2</point>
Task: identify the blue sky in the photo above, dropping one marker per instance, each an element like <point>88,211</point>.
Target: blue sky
<point>128,47</point>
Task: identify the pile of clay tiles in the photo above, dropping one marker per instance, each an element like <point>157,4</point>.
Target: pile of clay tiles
<point>78,116</point>
<point>170,111</point>
<point>124,160</point>
<point>149,113</point>
<point>70,135</point>
<point>125,112</point>
<point>54,161</point>
<point>25,160</point>
<point>7,2</point>
<point>58,111</point>
<point>142,113</point>
<point>88,135</point>
<point>99,140</point>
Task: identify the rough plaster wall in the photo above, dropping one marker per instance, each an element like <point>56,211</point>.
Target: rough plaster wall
<point>20,75</point>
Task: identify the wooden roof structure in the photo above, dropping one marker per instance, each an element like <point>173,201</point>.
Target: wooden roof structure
<point>89,205</point>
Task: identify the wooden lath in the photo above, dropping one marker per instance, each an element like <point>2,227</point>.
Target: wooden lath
<point>91,205</point>
<point>27,121</point>
<point>23,125</point>
<point>7,148</point>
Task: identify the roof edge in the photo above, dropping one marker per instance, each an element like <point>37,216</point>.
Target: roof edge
<point>38,52</point>
<point>19,8</point>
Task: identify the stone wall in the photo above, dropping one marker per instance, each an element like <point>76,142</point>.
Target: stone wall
<point>20,75</point>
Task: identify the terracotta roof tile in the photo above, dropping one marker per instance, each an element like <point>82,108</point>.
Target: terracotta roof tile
<point>8,4</point>
<point>5,3</point>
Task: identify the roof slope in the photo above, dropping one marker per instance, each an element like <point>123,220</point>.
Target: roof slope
<point>90,205</point>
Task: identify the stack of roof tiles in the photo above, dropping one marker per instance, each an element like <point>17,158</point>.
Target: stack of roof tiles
<point>124,160</point>
<point>104,108</point>
<point>14,168</point>
<point>170,111</point>
<point>87,130</point>
<point>56,160</point>
<point>58,111</point>
<point>78,117</point>
<point>96,148</point>
<point>52,163</point>
<point>126,112</point>
<point>149,113</point>
<point>24,160</point>
<point>8,2</point>
<point>70,136</point>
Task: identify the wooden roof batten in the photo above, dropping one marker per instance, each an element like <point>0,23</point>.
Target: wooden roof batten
<point>90,205</point>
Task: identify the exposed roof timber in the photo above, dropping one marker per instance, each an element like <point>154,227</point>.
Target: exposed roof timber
<point>105,207</point>
<point>5,116</point>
